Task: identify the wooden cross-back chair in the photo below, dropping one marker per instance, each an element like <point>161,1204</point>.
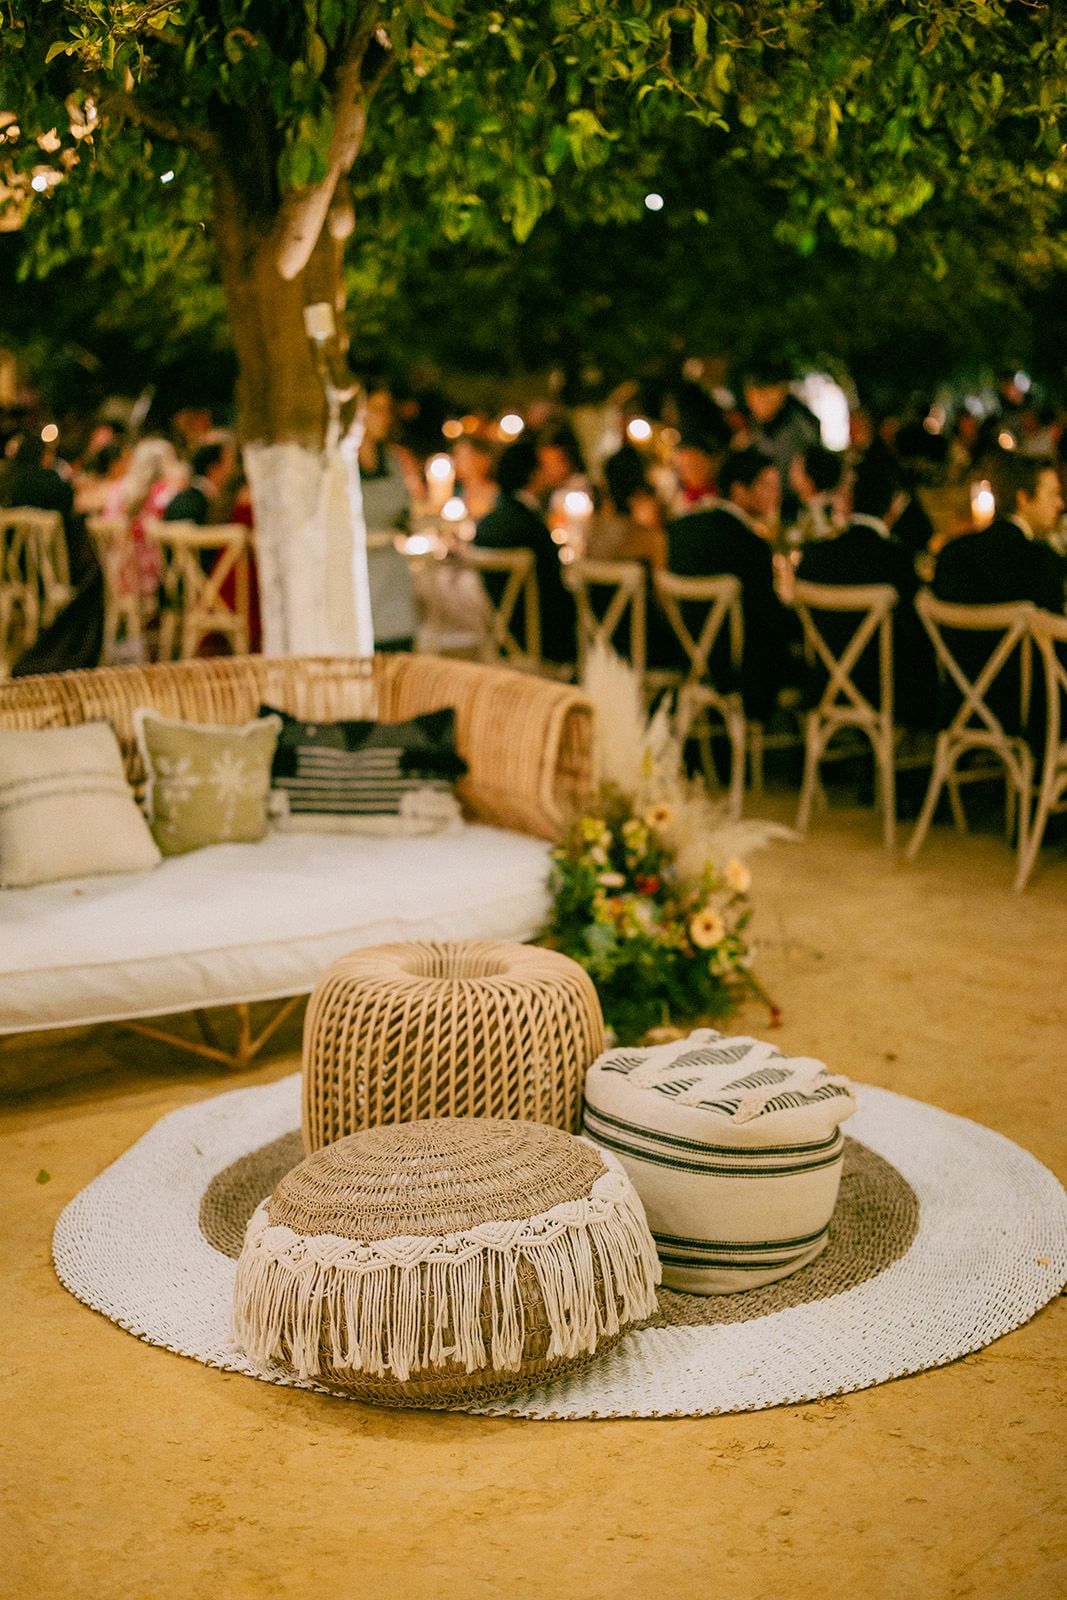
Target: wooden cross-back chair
<point>123,621</point>
<point>720,600</point>
<point>34,574</point>
<point>519,573</point>
<point>622,584</point>
<point>197,564</point>
<point>1049,633</point>
<point>842,704</point>
<point>975,726</point>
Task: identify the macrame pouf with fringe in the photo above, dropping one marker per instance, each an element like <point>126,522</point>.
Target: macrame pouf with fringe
<point>429,1263</point>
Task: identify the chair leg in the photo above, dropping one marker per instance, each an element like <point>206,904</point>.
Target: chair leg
<point>736,730</point>
<point>959,816</point>
<point>942,773</point>
<point>755,747</point>
<point>1028,851</point>
<point>887,785</point>
<point>811,773</point>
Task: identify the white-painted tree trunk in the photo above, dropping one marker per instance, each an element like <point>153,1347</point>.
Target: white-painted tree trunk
<point>311,549</point>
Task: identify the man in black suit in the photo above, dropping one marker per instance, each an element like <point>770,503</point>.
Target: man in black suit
<point>1007,561</point>
<point>213,466</point>
<point>726,540</point>
<point>515,523</point>
<point>866,552</point>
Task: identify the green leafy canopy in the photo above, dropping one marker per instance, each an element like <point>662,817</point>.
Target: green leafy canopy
<point>874,122</point>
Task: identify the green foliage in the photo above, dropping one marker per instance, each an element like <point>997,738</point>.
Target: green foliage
<point>877,126</point>
<point>661,949</point>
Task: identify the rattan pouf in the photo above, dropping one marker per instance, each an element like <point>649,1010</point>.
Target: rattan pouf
<point>429,1262</point>
<point>401,1032</point>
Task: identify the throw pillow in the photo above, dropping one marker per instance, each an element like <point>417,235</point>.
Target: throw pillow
<point>207,784</point>
<point>66,809</point>
<point>367,777</point>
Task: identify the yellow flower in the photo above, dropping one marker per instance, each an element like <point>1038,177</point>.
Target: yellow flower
<point>659,816</point>
<point>738,876</point>
<point>707,929</point>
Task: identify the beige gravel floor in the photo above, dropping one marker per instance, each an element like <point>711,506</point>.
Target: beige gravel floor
<point>130,1472</point>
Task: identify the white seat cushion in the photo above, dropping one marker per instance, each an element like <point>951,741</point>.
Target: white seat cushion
<point>242,922</point>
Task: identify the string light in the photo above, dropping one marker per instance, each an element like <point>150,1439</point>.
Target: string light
<point>39,182</point>
<point>639,429</point>
<point>440,468</point>
<point>452,429</point>
<point>577,503</point>
<point>166,177</point>
<point>454,510</point>
<point>49,433</point>
<point>512,424</point>
<point>653,202</point>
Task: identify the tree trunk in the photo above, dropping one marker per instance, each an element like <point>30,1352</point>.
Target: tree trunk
<point>303,475</point>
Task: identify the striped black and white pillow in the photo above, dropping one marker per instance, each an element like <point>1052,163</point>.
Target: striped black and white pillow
<point>398,775</point>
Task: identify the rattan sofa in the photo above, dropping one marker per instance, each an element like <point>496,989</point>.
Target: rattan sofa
<point>236,924</point>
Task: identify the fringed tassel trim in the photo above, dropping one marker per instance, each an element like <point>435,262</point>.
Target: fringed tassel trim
<point>398,1306</point>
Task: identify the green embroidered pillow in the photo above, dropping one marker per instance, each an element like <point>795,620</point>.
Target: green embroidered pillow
<point>207,784</point>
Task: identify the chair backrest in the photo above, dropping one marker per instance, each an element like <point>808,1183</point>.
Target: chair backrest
<point>1049,633</point>
<point>872,607</point>
<point>720,598</point>
<point>624,583</point>
<point>519,572</point>
<point>1013,623</point>
<point>35,547</point>
<point>192,585</point>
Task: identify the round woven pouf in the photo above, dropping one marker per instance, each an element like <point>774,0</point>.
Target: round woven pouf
<point>429,1262</point>
<point>402,1032</point>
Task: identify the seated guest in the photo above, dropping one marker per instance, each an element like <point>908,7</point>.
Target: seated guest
<point>727,540</point>
<point>516,523</point>
<point>1007,561</point>
<point>697,457</point>
<point>866,552</point>
<point>815,477</point>
<point>473,459</point>
<point>628,525</point>
<point>213,466</point>
<point>32,479</point>
<point>560,468</point>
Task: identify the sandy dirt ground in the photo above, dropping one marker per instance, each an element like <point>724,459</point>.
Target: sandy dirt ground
<point>132,1474</point>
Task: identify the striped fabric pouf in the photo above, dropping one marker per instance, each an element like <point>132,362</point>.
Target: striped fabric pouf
<point>734,1149</point>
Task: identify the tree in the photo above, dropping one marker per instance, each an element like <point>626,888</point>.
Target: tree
<point>459,121</point>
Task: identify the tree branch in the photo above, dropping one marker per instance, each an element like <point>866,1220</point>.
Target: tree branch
<point>128,106</point>
<point>303,211</point>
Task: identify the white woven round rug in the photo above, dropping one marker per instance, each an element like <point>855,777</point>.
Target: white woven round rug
<point>990,1251</point>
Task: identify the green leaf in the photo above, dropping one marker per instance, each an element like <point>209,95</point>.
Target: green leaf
<point>44,1177</point>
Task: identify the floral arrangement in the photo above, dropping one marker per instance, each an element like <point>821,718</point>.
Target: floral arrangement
<point>650,893</point>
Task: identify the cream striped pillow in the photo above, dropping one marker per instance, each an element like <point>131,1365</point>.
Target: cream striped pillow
<point>735,1150</point>
<point>66,809</point>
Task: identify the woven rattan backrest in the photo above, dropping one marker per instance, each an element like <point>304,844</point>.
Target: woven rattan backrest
<point>33,553</point>
<point>624,582</point>
<point>1012,622</point>
<point>872,606</point>
<point>721,599</point>
<point>518,569</point>
<point>528,741</point>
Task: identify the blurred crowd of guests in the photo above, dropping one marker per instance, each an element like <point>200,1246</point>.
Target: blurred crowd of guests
<point>691,480</point>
